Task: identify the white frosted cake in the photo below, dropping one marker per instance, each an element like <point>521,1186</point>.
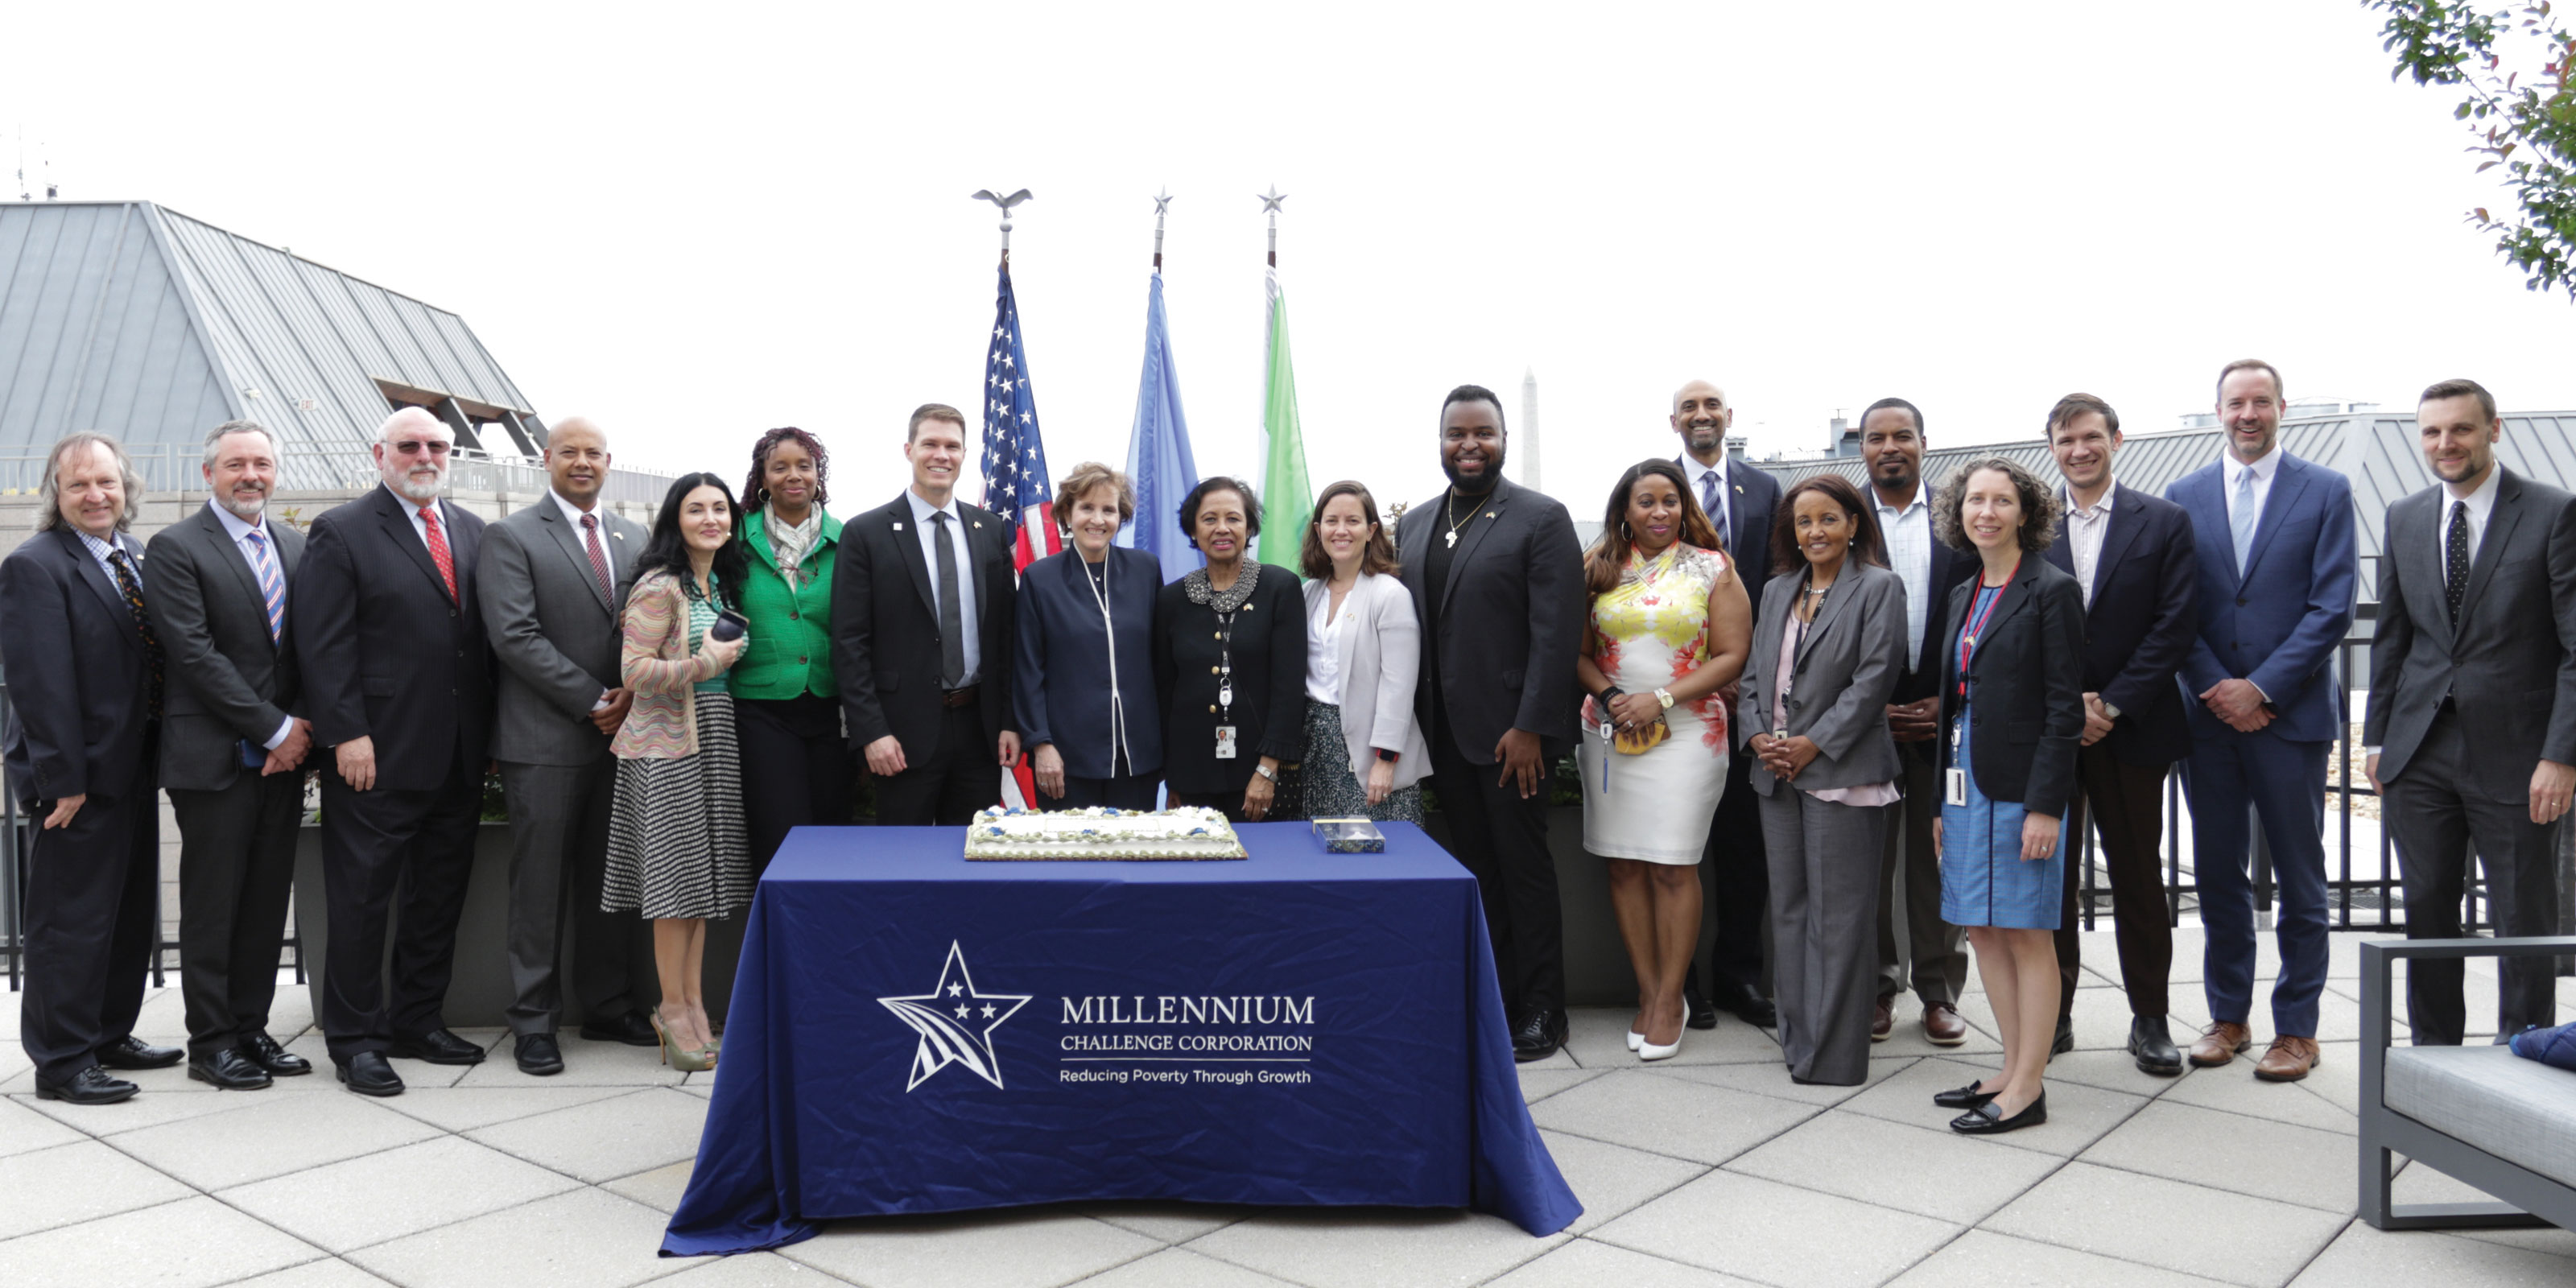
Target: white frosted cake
<point>1096,833</point>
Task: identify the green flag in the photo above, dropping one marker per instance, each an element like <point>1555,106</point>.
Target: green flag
<point>1286,497</point>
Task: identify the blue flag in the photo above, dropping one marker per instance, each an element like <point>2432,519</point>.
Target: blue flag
<point>1159,465</point>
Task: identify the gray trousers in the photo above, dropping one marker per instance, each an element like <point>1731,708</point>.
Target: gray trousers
<point>2436,822</point>
<point>1824,902</point>
<point>1910,879</point>
<point>558,852</point>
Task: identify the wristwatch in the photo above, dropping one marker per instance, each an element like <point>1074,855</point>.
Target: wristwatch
<point>1389,757</point>
<point>1665,696</point>
<point>1265,771</point>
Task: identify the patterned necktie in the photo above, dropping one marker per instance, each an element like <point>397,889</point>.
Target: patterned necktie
<point>2240,522</point>
<point>132,588</point>
<point>1708,504</point>
<point>598,557</point>
<point>438,548</point>
<point>952,618</point>
<point>272,588</point>
<point>2455,559</point>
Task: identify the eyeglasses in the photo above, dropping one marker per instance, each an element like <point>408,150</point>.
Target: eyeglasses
<point>415,446</point>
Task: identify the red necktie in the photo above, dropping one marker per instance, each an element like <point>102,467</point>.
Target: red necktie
<point>438,548</point>
<point>598,557</point>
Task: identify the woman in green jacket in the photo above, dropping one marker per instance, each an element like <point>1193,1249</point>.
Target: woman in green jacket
<point>796,766</point>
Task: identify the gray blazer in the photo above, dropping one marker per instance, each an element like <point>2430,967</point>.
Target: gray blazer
<point>555,634</point>
<point>1843,676</point>
<point>2511,663</point>
<point>226,679</point>
<point>1379,656</point>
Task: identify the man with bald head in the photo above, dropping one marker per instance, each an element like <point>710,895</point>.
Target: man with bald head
<point>1738,499</point>
<point>550,577</point>
<point>398,683</point>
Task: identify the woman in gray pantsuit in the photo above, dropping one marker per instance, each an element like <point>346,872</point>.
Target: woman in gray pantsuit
<point>1825,661</point>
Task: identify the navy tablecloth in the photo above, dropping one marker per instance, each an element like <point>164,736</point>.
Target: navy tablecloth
<point>911,1032</point>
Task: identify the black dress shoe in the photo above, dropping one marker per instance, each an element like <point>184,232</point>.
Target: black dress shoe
<point>539,1055</point>
<point>130,1052</point>
<point>2065,1040</point>
<point>229,1070</point>
<point>2153,1045</point>
<point>90,1086</point>
<point>1967,1097</point>
<point>1697,1011</point>
<point>1751,1006</point>
<point>369,1074</point>
<point>1538,1037</point>
<point>438,1046</point>
<point>264,1051</point>
<point>1986,1120</point>
<point>631,1028</point>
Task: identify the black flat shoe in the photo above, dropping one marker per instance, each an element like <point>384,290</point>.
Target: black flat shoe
<point>369,1074</point>
<point>263,1050</point>
<point>438,1046</point>
<point>1967,1097</point>
<point>1986,1120</point>
<point>1748,1004</point>
<point>2153,1045</point>
<point>130,1052</point>
<point>90,1086</point>
<point>228,1070</point>
<point>1697,1011</point>
<point>632,1029</point>
<point>538,1055</point>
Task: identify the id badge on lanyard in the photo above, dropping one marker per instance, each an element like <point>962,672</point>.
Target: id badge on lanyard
<point>1955,784</point>
<point>1225,742</point>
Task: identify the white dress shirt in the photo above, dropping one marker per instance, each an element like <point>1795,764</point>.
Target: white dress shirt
<point>412,509</point>
<point>1908,533</point>
<point>1324,647</point>
<point>240,533</point>
<point>2085,528</point>
<point>2265,469</point>
<point>921,512</point>
<point>1696,472</point>
<point>2480,503</point>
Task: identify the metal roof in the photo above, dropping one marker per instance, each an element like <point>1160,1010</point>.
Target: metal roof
<point>138,321</point>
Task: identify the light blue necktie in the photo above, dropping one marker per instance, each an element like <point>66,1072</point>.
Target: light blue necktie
<point>1708,505</point>
<point>272,588</point>
<point>2240,520</point>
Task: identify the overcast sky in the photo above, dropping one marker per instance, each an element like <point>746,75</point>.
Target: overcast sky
<point>694,223</point>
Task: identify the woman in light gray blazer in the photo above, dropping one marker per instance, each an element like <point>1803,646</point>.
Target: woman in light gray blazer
<point>1827,653</point>
<point>1365,754</point>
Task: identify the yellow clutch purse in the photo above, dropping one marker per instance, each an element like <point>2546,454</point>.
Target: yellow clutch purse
<point>1637,742</point>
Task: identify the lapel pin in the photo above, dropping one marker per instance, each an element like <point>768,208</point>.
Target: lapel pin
<point>979,523</point>
<point>898,527</point>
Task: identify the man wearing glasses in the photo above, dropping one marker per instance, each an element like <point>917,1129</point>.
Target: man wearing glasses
<point>399,683</point>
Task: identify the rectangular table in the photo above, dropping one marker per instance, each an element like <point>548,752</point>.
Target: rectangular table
<point>912,1032</point>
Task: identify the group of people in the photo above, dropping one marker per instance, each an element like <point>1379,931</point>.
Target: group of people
<point>1880,715</point>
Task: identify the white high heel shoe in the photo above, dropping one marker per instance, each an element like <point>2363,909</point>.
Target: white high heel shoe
<point>1636,1040</point>
<point>1649,1051</point>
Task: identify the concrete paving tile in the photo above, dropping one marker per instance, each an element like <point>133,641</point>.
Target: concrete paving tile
<point>1669,1116</point>
<point>164,1017</point>
<point>659,1188</point>
<point>2265,1159</point>
<point>1559,1058</point>
<point>586,1064</point>
<point>1169,1222</point>
<point>747,1270</point>
<point>1180,1268</point>
<point>584,1238</point>
<point>2253,1097</point>
<point>2366,1258</point>
<point>69,1184</point>
<point>2100,1025</point>
<point>605,1139</point>
<point>1366,1247</point>
<point>1586,1264</point>
<point>1539,1084</point>
<point>1932,1172</point>
<point>193,1243</point>
<point>971,1248</point>
<point>1597,1037</point>
<point>2421,1183</point>
<point>2078,1115</point>
<point>13,1054</point>
<point>144,1110</point>
<point>330,1272</point>
<point>1776,1233</point>
<point>2112,1071</point>
<point>2336,1079</point>
<point>274,1136</point>
<point>23,1129</point>
<point>376,1197</point>
<point>1984,1259</point>
<point>1906,1038</point>
<point>467,1108</point>
<point>1773,1080</point>
<point>2241,1240</point>
<point>1611,1180</point>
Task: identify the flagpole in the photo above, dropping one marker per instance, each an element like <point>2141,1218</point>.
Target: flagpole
<point>1270,202</point>
<point>1162,203</point>
<point>1005,203</point>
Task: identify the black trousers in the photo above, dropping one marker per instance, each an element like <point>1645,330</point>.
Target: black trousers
<point>1502,839</point>
<point>1127,791</point>
<point>394,863</point>
<point>2126,803</point>
<point>2436,818</point>
<point>89,928</point>
<point>559,856</point>
<point>236,867</point>
<point>945,788</point>
<point>1737,873</point>
<point>796,769</point>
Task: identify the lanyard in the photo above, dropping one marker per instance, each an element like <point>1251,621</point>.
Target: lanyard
<point>1109,635</point>
<point>1977,625</point>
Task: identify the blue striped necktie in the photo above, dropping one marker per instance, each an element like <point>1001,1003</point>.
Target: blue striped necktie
<point>272,588</point>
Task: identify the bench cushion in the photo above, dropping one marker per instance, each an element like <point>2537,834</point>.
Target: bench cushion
<point>2519,1110</point>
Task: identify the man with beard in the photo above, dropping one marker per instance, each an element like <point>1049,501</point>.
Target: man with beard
<point>1497,582</point>
<point>398,680</point>
<point>1891,450</point>
<point>1738,499</point>
<point>232,753</point>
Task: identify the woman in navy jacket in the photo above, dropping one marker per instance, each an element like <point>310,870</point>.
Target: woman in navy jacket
<point>1083,681</point>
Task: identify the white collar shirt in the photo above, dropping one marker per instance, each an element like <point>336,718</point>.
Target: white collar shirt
<point>965,550</point>
<point>2085,528</point>
<point>2480,503</point>
<point>1908,533</point>
<point>2264,470</point>
<point>1698,475</point>
<point>411,509</point>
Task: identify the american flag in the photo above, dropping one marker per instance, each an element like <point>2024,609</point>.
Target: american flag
<point>1015,472</point>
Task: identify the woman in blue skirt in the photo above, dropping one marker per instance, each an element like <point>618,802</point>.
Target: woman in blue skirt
<point>2012,710</point>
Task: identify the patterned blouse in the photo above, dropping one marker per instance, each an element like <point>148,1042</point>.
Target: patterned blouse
<point>1654,623</point>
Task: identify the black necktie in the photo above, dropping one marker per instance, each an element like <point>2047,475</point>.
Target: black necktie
<point>952,618</point>
<point>2456,558</point>
<point>133,592</point>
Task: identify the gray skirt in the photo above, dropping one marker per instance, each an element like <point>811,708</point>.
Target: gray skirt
<point>1332,791</point>
<point>677,847</point>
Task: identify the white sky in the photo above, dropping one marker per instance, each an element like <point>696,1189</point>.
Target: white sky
<point>694,223</point>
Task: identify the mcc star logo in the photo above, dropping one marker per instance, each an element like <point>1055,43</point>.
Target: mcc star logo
<point>955,1022</point>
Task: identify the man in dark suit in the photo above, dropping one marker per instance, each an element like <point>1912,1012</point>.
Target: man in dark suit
<point>2131,556</point>
<point>85,679</point>
<point>921,637</point>
<point>2477,631</point>
<point>1738,500</point>
<point>1934,955</point>
<point>398,679</point>
<point>232,753</point>
<point>1498,585</point>
<point>548,592</point>
<point>2273,536</point>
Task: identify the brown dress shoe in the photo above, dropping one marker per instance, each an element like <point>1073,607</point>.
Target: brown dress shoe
<point>1883,1021</point>
<point>2220,1043</point>
<point>1942,1025</point>
<point>2288,1061</point>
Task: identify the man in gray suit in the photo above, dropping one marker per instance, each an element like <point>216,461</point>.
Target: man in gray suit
<point>232,753</point>
<point>2471,728</point>
<point>551,576</point>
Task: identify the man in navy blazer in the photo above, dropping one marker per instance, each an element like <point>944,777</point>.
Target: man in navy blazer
<point>2277,569</point>
<point>1738,499</point>
<point>2131,555</point>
